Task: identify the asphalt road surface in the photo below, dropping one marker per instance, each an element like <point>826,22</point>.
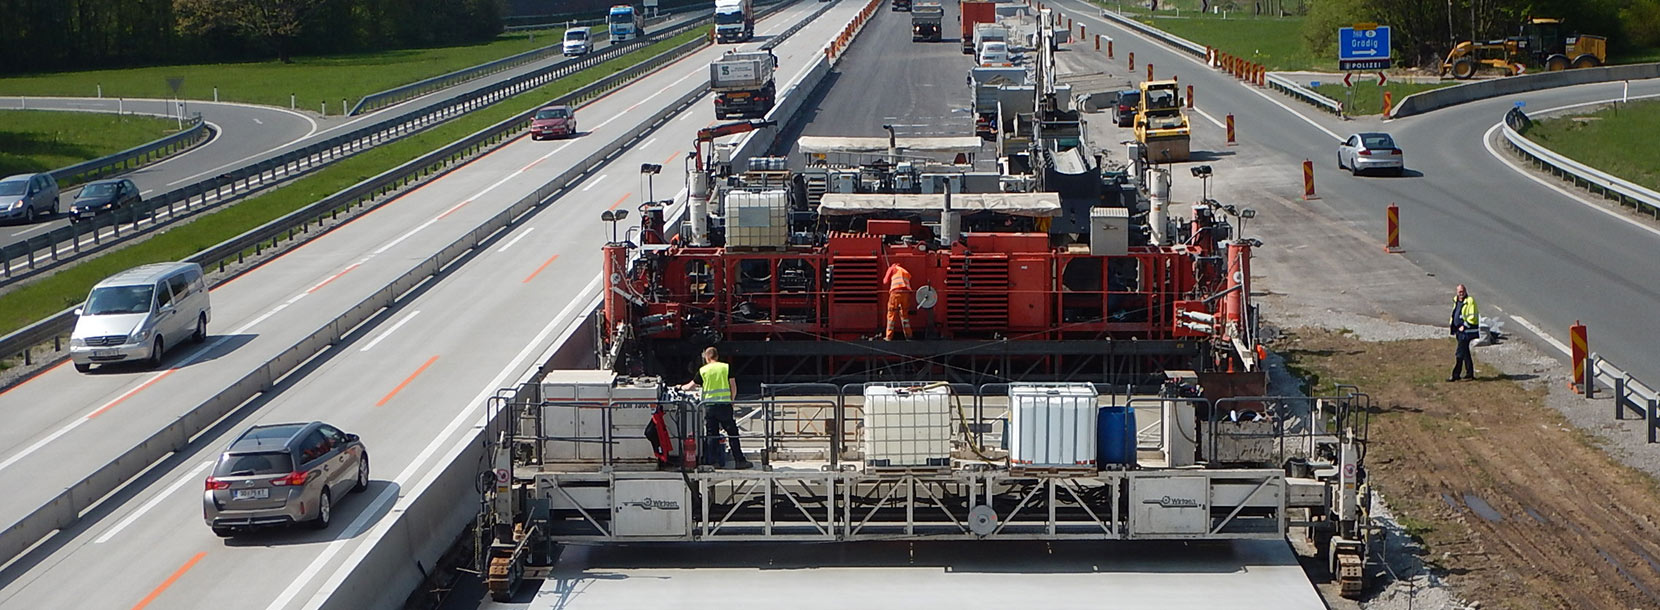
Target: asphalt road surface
<point>409,382</point>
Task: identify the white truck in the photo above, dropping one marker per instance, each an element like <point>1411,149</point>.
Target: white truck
<point>743,84</point>
<point>988,32</point>
<point>734,20</point>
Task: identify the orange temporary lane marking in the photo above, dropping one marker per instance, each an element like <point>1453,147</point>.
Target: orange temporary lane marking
<point>457,207</point>
<point>539,269</point>
<point>671,158</point>
<point>129,394</point>
<point>169,582</point>
<point>406,381</point>
<point>332,278</point>
<point>619,201</point>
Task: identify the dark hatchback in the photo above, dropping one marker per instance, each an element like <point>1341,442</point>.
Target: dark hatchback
<point>103,196</point>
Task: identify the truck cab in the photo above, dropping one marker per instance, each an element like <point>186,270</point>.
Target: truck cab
<point>577,41</point>
<point>734,20</point>
<point>625,23</point>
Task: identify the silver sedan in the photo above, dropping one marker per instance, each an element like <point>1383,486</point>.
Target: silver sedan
<point>1364,152</point>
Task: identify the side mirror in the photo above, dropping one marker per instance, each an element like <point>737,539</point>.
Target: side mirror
<point>351,438</point>
<point>77,312</point>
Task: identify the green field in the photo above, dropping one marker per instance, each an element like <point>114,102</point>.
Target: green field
<point>1368,98</point>
<point>1271,41</point>
<point>65,288</point>
<point>312,79</point>
<point>38,141</point>
<point>1623,140</point>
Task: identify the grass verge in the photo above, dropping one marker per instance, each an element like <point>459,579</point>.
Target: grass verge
<point>39,141</point>
<point>1368,97</point>
<point>328,78</point>
<point>1621,140</point>
<point>50,295</point>
<point>1276,42</point>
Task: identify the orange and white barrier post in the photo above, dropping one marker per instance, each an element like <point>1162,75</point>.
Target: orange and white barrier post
<point>1097,42</point>
<point>1388,102</point>
<point>1393,246</point>
<point>1109,48</point>
<point>1083,32</point>
<point>1132,61</point>
<point>1149,70</point>
<point>1262,76</point>
<point>1580,350</point>
<point>1231,141</point>
<point>1190,97</point>
<point>1308,180</point>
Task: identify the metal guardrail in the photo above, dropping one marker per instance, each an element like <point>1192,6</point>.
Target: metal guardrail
<point>49,250</point>
<point>1630,395</point>
<point>65,508</point>
<point>1435,99</point>
<point>398,95</point>
<point>1182,44</point>
<point>662,15</point>
<point>87,171</point>
<point>1293,89</point>
<point>1593,179</point>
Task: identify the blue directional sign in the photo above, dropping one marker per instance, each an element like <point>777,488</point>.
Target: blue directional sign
<point>1363,48</point>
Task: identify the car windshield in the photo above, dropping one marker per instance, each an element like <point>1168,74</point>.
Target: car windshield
<point>729,18</point>
<point>102,189</point>
<point>622,18</point>
<point>576,36</point>
<point>254,464</point>
<point>13,187</point>
<point>1377,140</point>
<point>119,299</point>
<point>552,113</point>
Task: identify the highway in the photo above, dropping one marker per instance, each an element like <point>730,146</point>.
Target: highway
<point>409,382</point>
<point>1537,253</point>
<point>245,133</point>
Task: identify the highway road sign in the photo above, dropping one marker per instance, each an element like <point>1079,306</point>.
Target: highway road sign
<point>1363,48</point>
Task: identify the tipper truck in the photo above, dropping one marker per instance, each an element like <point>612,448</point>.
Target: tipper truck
<point>975,12</point>
<point>734,20</point>
<point>926,18</point>
<point>743,83</point>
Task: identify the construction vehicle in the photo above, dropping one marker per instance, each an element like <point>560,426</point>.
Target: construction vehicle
<point>1539,43</point>
<point>974,12</point>
<point>927,22</point>
<point>1160,125</point>
<point>743,83</point>
<point>734,20</point>
<point>901,5</point>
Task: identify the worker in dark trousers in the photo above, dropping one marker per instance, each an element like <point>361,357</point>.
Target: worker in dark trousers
<point>717,407</point>
<point>898,282</point>
<point>1465,326</point>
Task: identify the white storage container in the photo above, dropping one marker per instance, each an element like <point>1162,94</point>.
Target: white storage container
<point>904,428</point>
<point>758,220</point>
<point>1052,424</point>
<point>574,415</point>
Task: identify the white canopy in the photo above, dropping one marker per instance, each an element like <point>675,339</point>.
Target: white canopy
<point>878,145</point>
<point>1015,204</point>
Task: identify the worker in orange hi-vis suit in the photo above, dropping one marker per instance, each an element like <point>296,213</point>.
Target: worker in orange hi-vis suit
<point>898,281</point>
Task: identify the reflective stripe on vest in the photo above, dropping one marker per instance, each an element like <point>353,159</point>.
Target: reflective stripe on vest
<point>716,387</point>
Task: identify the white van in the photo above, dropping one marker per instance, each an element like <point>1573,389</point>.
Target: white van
<point>138,313</point>
<point>577,41</point>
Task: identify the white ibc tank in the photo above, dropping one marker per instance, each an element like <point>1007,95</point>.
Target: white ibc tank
<point>1052,424</point>
<point>758,220</point>
<point>575,402</point>
<point>903,427</point>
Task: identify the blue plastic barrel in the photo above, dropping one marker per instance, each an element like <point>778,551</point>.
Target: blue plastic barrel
<point>1115,436</point>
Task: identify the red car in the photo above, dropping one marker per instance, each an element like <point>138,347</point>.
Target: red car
<point>553,121</point>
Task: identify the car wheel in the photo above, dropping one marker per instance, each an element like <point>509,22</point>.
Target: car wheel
<point>156,350</point>
<point>29,215</point>
<point>83,368</point>
<point>201,329</point>
<point>224,532</point>
<point>362,475</point>
<point>325,512</point>
<point>1339,160</point>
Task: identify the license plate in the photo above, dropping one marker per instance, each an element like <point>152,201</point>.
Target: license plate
<point>106,353</point>
<point>250,494</point>
<point>740,95</point>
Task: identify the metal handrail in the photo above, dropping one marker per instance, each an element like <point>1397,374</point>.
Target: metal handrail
<point>1581,174</point>
<point>1293,89</point>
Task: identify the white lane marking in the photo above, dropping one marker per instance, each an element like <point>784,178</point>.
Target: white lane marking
<point>1487,142</point>
<point>258,122</point>
<point>44,441</point>
<point>1210,118</point>
<point>188,477</point>
<point>359,525</point>
<point>515,240</point>
<point>688,116</point>
<point>388,332</point>
<point>1197,62</point>
<point>268,314</point>
<point>1542,334</point>
<point>146,191</point>
<point>648,143</point>
<point>592,183</point>
<point>31,230</point>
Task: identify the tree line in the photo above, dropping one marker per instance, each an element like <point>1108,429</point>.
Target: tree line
<point>1425,30</point>
<point>57,35</point>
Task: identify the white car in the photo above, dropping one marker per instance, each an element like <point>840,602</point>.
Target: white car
<point>1364,152</point>
<point>994,54</point>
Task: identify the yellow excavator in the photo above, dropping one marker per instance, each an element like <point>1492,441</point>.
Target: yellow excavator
<point>1541,42</point>
<point>1160,125</point>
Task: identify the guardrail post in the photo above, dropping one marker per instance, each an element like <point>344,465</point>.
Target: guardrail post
<point>1591,376</point>
<point>1653,426</point>
<point>1619,398</point>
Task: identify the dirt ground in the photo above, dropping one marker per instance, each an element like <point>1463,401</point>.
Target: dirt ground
<point>1514,506</point>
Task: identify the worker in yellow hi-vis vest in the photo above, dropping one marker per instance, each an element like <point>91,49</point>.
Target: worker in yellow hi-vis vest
<point>1465,327</point>
<point>717,408</point>
<point>898,282</point>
